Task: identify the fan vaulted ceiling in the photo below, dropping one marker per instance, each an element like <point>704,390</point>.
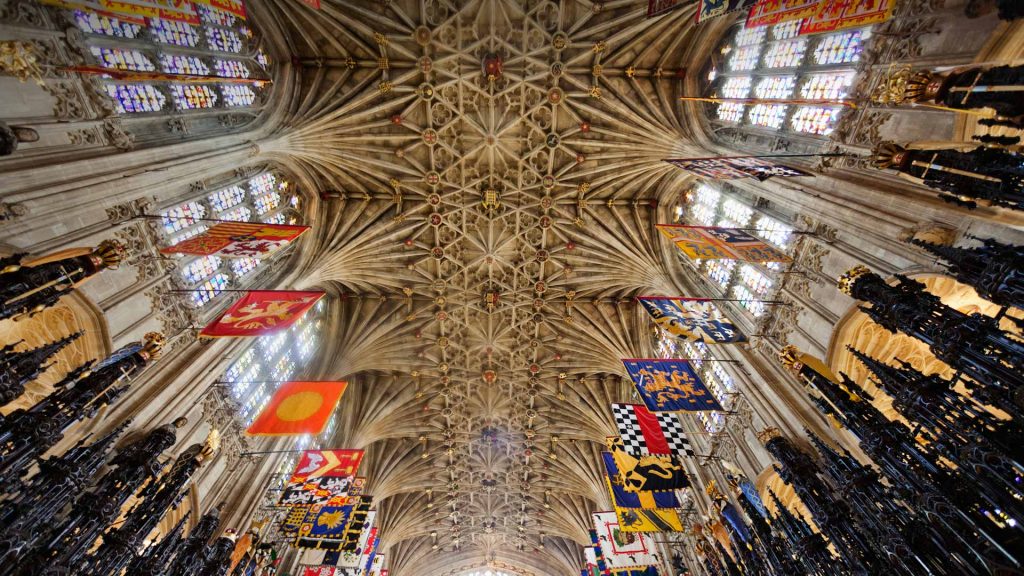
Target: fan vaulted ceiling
<point>491,173</point>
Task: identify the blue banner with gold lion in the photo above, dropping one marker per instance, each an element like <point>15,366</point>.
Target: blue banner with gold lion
<point>670,385</point>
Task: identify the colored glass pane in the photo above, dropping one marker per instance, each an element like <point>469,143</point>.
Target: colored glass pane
<point>768,115</point>
<point>193,97</point>
<point>174,32</point>
<point>93,23</point>
<point>815,119</point>
<point>223,40</point>
<point>191,232</point>
<point>744,58</point>
<point>239,214</point>
<point>278,218</point>
<point>182,64</point>
<point>735,214</point>
<point>754,280</point>
<point>774,231</point>
<point>731,111</point>
<point>262,59</point>
<point>775,86</point>
<point>231,68</point>
<point>135,98</point>
<point>841,48</point>
<point>751,36</point>
<point>831,86</point>
<point>182,216</point>
<point>211,15</point>
<point>785,54</point>
<point>208,289</point>
<point>226,198</point>
<point>121,59</point>
<point>200,269</point>
<point>736,87</point>
<point>786,30</point>
<point>748,300</point>
<point>242,266</point>
<point>720,271</point>
<point>237,96</point>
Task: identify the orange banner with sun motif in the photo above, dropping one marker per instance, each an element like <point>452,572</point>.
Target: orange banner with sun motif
<point>262,312</point>
<point>298,408</point>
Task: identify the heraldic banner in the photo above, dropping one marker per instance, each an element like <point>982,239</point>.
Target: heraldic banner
<point>767,12</point>
<point>670,385</point>
<point>692,319</point>
<point>650,473</point>
<point>621,549</point>
<point>238,240</point>
<point>322,478</point>
<point>298,408</point>
<point>835,15</point>
<point>645,432</point>
<point>623,499</point>
<point>725,168</point>
<point>708,9</point>
<point>716,243</point>
<point>262,312</point>
<point>334,528</point>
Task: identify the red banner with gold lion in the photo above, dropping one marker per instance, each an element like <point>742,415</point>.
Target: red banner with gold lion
<point>262,312</point>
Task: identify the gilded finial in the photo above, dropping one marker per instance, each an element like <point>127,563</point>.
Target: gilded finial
<point>111,252</point>
<point>790,357</point>
<point>768,434</point>
<point>210,445</point>
<point>887,155</point>
<point>847,281</point>
<point>893,85</point>
<point>713,491</point>
<point>152,345</point>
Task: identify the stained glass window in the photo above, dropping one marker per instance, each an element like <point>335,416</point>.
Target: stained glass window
<point>753,59</point>
<point>264,197</point>
<point>176,48</point>
<point>786,30</point>
<point>815,119</point>
<point>174,32</point>
<point>93,23</point>
<point>135,98</point>
<point>748,300</point>
<point>720,271</point>
<point>121,59</point>
<point>736,87</point>
<point>785,54</point>
<point>744,58</point>
<point>731,111</point>
<point>751,36</point>
<point>754,280</point>
<point>768,115</point>
<point>242,266</point>
<point>211,15</point>
<point>200,269</point>
<point>208,289</point>
<point>237,96</point>
<point>182,216</point>
<point>735,214</point>
<point>192,97</point>
<point>226,198</point>
<point>231,68</point>
<point>182,64</point>
<point>774,231</point>
<point>775,86</point>
<point>278,218</point>
<point>193,231</point>
<point>827,86</point>
<point>239,214</point>
<point>223,40</point>
<point>841,48</point>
